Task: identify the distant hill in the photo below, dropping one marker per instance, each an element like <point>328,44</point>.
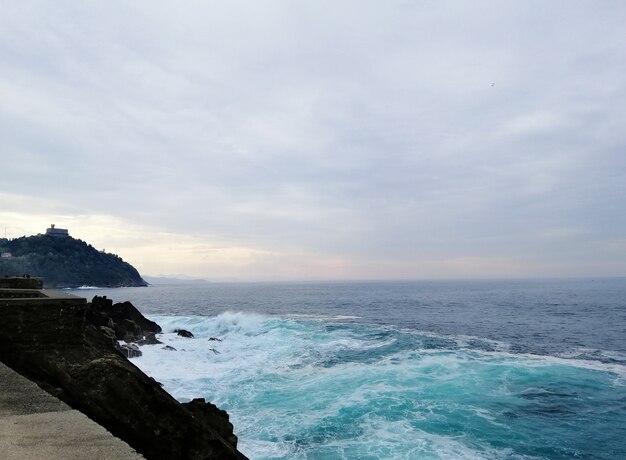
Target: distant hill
<point>65,262</point>
<point>174,280</point>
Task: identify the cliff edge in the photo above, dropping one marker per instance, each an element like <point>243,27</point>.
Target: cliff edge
<point>61,347</point>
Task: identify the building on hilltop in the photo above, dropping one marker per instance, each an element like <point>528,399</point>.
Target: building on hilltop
<point>58,232</point>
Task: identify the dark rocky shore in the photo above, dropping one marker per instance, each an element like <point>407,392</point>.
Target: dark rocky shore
<point>72,352</point>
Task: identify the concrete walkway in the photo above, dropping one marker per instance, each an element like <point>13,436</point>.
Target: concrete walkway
<point>35,425</point>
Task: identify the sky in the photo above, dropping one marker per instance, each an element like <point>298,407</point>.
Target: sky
<point>353,139</point>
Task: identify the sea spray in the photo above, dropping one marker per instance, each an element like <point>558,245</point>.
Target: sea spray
<point>326,388</point>
<point>522,369</point>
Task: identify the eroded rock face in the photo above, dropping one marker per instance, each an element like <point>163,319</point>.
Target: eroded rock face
<point>127,322</point>
<point>68,353</point>
<point>214,416</point>
<point>129,350</point>
<point>122,321</point>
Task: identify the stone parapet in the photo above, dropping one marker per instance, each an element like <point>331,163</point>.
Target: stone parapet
<point>21,282</point>
<point>38,297</point>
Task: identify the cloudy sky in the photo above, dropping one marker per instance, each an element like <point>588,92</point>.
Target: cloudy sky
<point>352,139</point>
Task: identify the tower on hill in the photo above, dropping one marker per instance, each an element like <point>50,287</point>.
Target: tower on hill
<point>57,232</point>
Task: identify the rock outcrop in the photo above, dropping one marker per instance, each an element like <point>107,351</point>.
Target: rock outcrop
<point>184,333</point>
<point>122,321</point>
<point>67,350</point>
<point>213,416</point>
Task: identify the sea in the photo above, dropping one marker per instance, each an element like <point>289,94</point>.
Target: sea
<point>522,369</point>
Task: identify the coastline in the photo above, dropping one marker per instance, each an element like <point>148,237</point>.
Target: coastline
<point>62,348</point>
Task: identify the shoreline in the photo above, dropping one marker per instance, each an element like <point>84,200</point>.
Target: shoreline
<point>67,348</point>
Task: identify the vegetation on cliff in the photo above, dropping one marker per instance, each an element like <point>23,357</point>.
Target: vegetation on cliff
<point>65,262</point>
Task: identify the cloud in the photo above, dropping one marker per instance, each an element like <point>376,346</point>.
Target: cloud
<point>317,137</point>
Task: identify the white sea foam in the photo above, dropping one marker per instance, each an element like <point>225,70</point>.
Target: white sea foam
<point>461,340</point>
<point>293,388</point>
<point>578,357</point>
<point>270,343</point>
<point>325,318</point>
<point>533,360</point>
<point>586,353</point>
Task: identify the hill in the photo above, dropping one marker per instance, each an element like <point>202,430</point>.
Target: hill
<point>65,262</point>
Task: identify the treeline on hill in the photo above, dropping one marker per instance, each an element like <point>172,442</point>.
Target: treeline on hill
<point>65,262</point>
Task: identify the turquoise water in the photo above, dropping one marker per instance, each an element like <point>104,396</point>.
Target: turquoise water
<point>322,372</point>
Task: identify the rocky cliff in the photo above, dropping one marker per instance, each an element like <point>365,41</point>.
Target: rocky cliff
<point>69,350</point>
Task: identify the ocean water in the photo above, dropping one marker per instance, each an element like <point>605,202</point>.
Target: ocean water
<point>400,370</point>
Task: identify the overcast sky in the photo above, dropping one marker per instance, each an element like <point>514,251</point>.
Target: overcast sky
<point>320,139</point>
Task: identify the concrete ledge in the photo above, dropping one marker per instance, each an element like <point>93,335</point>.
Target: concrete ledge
<point>38,297</point>
<point>21,282</point>
<point>35,425</point>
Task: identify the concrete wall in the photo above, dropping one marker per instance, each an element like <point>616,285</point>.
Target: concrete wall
<point>21,283</point>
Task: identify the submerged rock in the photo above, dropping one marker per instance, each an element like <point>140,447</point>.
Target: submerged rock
<point>184,333</point>
<point>149,339</point>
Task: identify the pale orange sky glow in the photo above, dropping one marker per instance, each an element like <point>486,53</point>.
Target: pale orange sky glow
<point>320,140</point>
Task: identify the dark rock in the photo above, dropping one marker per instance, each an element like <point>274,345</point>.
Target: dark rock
<point>108,332</point>
<point>62,350</point>
<point>123,332</point>
<point>131,326</point>
<point>214,339</point>
<point>129,350</point>
<point>127,322</point>
<point>212,415</point>
<point>101,303</point>
<point>184,333</point>
<point>149,339</point>
<point>169,348</point>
